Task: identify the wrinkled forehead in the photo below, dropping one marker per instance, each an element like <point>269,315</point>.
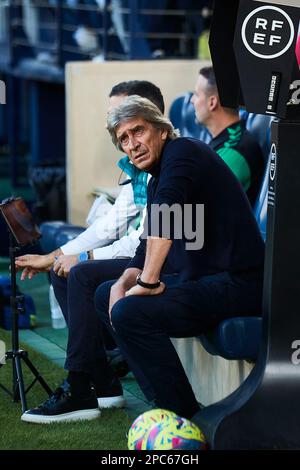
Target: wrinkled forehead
<point>129,125</point>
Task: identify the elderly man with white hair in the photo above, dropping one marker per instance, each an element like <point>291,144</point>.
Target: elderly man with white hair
<point>217,276</point>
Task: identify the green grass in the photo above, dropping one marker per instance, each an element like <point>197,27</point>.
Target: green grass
<point>106,433</point>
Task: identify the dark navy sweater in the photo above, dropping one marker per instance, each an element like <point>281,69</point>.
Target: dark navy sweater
<point>189,172</point>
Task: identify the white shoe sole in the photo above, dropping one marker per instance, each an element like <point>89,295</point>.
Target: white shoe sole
<point>79,415</point>
<point>112,402</point>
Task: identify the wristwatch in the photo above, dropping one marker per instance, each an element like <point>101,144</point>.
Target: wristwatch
<point>84,256</point>
<point>147,285</point>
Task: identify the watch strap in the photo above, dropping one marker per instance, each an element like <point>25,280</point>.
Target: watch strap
<point>147,285</point>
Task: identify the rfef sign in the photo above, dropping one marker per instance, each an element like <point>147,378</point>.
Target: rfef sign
<point>258,47</point>
<point>268,32</point>
<point>265,52</point>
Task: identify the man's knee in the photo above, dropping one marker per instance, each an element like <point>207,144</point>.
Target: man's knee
<point>125,314</point>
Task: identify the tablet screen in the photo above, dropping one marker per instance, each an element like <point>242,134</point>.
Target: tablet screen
<point>20,221</point>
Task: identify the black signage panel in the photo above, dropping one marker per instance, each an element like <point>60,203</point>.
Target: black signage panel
<point>221,47</point>
<point>264,45</point>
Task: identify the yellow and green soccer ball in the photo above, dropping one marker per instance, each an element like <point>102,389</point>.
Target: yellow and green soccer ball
<point>143,423</point>
<point>164,430</point>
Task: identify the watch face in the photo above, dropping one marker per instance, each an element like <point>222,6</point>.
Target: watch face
<point>83,256</point>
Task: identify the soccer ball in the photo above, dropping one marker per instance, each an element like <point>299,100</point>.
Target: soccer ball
<point>143,423</point>
<point>175,433</point>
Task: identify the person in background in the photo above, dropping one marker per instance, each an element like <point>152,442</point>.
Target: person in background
<point>230,138</point>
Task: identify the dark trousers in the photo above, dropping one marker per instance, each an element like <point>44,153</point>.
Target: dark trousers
<point>75,296</point>
<point>144,326</point>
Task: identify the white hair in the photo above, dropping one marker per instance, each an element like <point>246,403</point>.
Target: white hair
<point>135,106</point>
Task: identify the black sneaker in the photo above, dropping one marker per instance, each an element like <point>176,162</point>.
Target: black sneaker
<point>111,395</point>
<point>62,406</point>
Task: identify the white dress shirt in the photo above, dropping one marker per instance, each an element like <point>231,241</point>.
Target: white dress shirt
<point>111,235</point>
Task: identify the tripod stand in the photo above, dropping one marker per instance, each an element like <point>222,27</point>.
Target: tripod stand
<point>16,354</point>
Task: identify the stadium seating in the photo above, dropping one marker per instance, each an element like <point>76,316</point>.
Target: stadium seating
<point>182,116</point>
<point>57,233</point>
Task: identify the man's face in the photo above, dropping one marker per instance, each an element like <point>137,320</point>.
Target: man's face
<point>141,141</point>
<point>200,100</point>
<point>115,101</point>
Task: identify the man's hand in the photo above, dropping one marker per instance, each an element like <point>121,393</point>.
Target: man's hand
<point>33,264</point>
<point>139,290</point>
<point>118,290</point>
<point>29,273</point>
<point>63,264</point>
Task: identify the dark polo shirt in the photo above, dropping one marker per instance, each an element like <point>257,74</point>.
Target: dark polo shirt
<point>189,172</point>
